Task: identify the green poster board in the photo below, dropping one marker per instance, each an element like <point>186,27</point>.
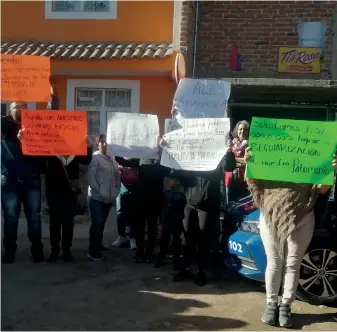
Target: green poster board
<point>292,150</point>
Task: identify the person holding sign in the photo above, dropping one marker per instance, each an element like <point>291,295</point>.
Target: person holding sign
<point>104,186</point>
<point>203,195</point>
<point>62,188</point>
<point>148,191</point>
<point>21,183</point>
<point>235,180</point>
<point>286,228</point>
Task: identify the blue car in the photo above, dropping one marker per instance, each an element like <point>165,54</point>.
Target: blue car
<point>318,274</point>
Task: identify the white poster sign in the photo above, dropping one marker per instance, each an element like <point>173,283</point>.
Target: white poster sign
<point>171,125</point>
<point>199,145</point>
<point>198,98</point>
<point>132,135</point>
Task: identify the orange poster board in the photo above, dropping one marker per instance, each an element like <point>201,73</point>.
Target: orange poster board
<point>54,133</point>
<point>25,78</point>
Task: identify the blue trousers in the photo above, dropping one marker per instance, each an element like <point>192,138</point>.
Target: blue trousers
<point>99,213</point>
<point>13,194</point>
<point>125,206</point>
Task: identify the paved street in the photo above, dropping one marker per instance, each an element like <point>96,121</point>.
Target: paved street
<point>117,294</point>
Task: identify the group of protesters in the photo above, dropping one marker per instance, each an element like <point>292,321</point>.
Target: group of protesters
<point>186,204</point>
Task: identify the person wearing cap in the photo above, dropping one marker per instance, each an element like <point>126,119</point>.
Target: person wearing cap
<point>172,218</point>
<point>21,183</point>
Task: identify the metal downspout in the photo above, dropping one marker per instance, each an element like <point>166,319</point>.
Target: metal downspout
<point>196,30</point>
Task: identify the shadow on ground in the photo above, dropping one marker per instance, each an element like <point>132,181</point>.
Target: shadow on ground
<point>118,294</point>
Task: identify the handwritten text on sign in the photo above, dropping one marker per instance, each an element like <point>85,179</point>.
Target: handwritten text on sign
<point>133,135</point>
<point>292,150</point>
<point>196,98</point>
<point>25,78</point>
<point>171,125</point>
<point>199,146</point>
<point>60,133</point>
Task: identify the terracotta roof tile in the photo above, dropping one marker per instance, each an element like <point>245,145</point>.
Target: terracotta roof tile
<point>88,51</point>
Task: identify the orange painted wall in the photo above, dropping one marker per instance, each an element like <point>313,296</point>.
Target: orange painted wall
<point>156,93</point>
<point>136,21</point>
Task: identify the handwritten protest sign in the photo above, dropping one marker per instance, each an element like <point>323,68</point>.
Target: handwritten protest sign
<point>196,98</point>
<point>292,150</point>
<point>133,135</point>
<point>60,133</point>
<point>171,125</point>
<point>198,146</point>
<point>25,78</point>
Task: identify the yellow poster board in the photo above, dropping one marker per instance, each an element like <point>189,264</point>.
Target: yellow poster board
<point>299,60</point>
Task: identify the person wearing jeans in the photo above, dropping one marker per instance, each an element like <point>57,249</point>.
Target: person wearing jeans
<point>172,219</point>
<point>287,224</point>
<point>125,204</point>
<point>21,183</point>
<point>19,188</point>
<point>104,187</point>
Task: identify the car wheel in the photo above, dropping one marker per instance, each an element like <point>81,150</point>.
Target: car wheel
<point>318,273</point>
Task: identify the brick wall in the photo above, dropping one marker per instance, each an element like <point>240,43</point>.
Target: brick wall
<point>259,28</point>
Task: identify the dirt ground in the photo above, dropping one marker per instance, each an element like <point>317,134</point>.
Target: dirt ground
<point>117,294</point>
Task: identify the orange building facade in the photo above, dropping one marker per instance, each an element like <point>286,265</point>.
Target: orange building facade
<point>106,56</point>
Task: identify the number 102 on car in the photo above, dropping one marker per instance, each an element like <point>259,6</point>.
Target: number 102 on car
<point>235,246</point>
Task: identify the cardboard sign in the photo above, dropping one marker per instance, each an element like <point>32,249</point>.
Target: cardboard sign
<point>25,78</point>
<point>133,135</point>
<point>56,133</point>
<point>197,98</point>
<point>292,150</point>
<point>171,125</point>
<point>199,145</point>
<point>300,60</point>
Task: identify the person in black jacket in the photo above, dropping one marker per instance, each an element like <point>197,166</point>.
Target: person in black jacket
<point>148,191</point>
<point>20,184</point>
<point>62,200</point>
<point>203,195</point>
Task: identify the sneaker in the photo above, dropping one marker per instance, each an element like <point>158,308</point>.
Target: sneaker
<point>133,244</point>
<point>8,257</point>
<point>119,242</point>
<point>67,256</point>
<point>54,256</point>
<point>270,315</point>
<point>335,317</point>
<point>285,316</point>
<point>181,275</point>
<point>200,278</point>
<point>96,256</point>
<point>139,258</point>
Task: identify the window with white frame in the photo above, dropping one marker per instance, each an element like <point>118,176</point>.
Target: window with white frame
<point>97,102</point>
<point>80,9</point>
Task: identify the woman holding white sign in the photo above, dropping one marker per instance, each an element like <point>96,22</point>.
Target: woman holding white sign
<point>286,227</point>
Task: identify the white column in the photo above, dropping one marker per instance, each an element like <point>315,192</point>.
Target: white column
<point>176,25</point>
